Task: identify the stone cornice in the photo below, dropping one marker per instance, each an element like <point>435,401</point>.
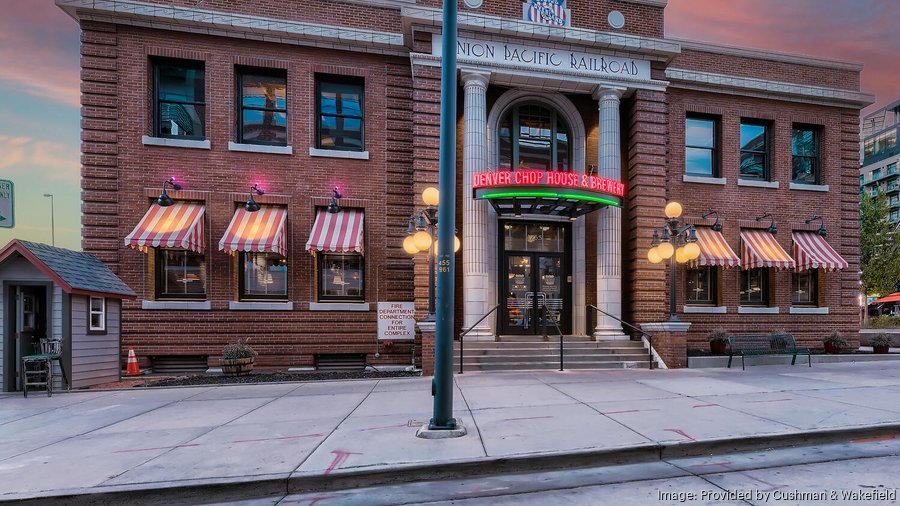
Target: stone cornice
<point>225,24</point>
<point>773,90</point>
<point>648,48</point>
<point>762,54</point>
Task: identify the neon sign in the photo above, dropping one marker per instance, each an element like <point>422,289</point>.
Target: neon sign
<point>540,178</point>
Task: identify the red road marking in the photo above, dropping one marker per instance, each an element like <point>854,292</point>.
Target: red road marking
<point>340,456</point>
<point>886,437</point>
<point>705,405</point>
<point>773,400</point>
<point>526,418</point>
<point>386,427</point>
<point>681,433</point>
<point>157,448</point>
<point>311,500</point>
<point>274,438</point>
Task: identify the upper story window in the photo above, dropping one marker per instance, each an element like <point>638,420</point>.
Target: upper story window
<point>862,179</point>
<point>180,274</point>
<point>892,169</point>
<point>876,174</point>
<point>179,99</point>
<point>805,155</point>
<point>701,153</point>
<point>533,136</point>
<point>262,111</point>
<point>340,113</point>
<point>754,150</point>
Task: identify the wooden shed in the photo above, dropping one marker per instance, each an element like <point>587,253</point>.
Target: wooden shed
<point>64,295</point>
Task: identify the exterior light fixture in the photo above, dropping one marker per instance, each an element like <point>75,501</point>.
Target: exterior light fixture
<point>673,210</point>
<point>675,242</point>
<point>164,199</point>
<point>822,230</point>
<point>717,226</point>
<point>252,206</point>
<point>431,196</point>
<point>333,206</point>
<point>772,229</point>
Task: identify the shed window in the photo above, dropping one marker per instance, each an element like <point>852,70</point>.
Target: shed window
<point>98,313</point>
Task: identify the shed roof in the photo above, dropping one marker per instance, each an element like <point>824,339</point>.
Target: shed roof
<point>74,271</point>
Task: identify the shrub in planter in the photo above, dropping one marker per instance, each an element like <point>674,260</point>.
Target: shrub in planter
<point>835,342</point>
<point>718,341</point>
<point>881,343</point>
<point>238,358</point>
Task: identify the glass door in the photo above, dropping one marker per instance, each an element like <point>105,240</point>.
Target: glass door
<point>519,295</point>
<point>549,291</point>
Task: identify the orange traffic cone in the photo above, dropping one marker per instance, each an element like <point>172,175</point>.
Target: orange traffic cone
<point>132,368</point>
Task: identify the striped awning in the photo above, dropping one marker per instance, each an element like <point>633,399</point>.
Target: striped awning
<point>812,251</point>
<point>177,226</point>
<point>340,232</point>
<point>759,248</point>
<point>260,231</point>
<point>714,250</point>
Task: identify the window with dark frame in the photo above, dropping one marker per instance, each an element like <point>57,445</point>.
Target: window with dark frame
<point>755,287</point>
<point>179,99</point>
<point>264,276</point>
<point>180,274</point>
<point>701,153</point>
<point>97,314</point>
<point>262,106</point>
<point>340,113</point>
<point>701,286</point>
<point>805,288</point>
<point>536,137</point>
<point>806,167</point>
<point>754,150</point>
<point>341,277</point>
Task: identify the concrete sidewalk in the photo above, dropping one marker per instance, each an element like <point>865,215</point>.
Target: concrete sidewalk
<point>195,444</point>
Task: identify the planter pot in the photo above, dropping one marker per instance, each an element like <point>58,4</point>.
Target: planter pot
<point>881,349</point>
<point>832,348</point>
<point>718,347</point>
<point>237,366</point>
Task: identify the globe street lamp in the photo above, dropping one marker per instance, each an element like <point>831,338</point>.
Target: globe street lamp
<point>675,243</point>
<point>421,236</point>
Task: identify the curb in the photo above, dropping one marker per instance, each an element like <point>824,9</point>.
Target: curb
<point>234,489</point>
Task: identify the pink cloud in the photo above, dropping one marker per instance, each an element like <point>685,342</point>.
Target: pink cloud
<point>25,156</point>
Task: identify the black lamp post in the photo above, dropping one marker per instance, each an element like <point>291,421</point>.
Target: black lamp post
<point>421,235</point>
<point>675,243</point>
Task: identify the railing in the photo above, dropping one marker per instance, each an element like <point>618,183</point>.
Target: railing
<point>461,335</point>
<point>623,322</point>
<point>543,317</point>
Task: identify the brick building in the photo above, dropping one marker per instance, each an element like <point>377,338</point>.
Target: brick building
<point>299,98</point>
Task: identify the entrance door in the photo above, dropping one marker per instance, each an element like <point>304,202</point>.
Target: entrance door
<point>535,278</point>
<point>28,308</point>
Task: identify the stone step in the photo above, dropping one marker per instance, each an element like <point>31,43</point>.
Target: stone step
<point>576,359</point>
<point>533,338</point>
<point>586,344</point>
<point>488,354</point>
<point>547,346</point>
<point>527,366</point>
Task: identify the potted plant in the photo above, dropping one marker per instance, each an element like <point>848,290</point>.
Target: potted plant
<point>882,342</point>
<point>238,358</point>
<point>834,343</point>
<point>718,341</point>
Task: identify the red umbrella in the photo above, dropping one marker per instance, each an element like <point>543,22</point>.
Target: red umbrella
<point>894,297</point>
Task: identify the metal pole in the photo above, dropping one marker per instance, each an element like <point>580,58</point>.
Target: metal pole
<point>431,255</point>
<point>673,316</point>
<point>443,346</point>
<point>52,221</point>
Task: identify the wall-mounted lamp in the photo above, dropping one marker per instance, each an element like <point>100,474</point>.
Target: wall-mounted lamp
<point>717,226</point>
<point>252,205</point>
<point>773,229</point>
<point>333,206</point>
<point>822,230</point>
<point>164,199</point>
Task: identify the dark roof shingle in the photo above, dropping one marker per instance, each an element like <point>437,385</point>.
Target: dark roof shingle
<point>80,270</point>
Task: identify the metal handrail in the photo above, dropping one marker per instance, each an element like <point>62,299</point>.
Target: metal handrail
<point>461,335</point>
<point>623,322</point>
<point>558,331</point>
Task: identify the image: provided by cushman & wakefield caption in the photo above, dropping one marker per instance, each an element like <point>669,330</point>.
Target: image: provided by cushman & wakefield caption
<point>874,495</point>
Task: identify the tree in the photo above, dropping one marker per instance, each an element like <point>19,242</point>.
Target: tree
<point>879,246</point>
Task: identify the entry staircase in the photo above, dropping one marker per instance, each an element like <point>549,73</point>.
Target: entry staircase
<point>521,353</point>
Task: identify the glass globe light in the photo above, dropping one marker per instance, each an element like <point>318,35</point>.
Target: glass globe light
<point>680,255</point>
<point>431,196</point>
<point>673,210</point>
<point>653,256</point>
<point>692,250</point>
<point>665,250</point>
<point>409,245</point>
<point>456,244</point>
<point>422,240</point>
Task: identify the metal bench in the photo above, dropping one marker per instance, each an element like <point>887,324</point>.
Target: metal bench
<point>768,344</point>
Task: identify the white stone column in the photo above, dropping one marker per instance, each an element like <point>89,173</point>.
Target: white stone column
<point>475,215</point>
<point>609,222</point>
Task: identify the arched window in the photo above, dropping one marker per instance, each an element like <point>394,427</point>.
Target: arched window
<point>534,136</point>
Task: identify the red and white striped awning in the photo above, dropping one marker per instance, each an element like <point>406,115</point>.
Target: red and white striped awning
<point>340,232</point>
<point>812,251</point>
<point>759,248</point>
<point>714,250</point>
<point>177,226</point>
<point>260,231</point>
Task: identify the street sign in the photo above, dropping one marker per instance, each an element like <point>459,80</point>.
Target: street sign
<point>7,210</point>
<point>396,321</point>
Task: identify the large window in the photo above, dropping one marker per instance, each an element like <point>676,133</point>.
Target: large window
<point>179,99</point>
<point>341,277</point>
<point>805,288</point>
<point>262,111</point>
<point>701,154</point>
<point>755,287</point>
<point>805,155</point>
<point>339,109</point>
<point>754,150</point>
<point>180,274</point>
<point>97,314</point>
<point>533,136</point>
<point>264,276</point>
<point>701,286</point>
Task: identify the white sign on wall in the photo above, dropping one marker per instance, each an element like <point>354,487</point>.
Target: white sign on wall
<point>396,321</point>
<point>543,58</point>
<point>6,204</point>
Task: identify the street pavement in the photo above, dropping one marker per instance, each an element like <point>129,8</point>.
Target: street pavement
<point>196,445</point>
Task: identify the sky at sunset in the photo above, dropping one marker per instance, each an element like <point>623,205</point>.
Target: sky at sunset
<point>39,84</point>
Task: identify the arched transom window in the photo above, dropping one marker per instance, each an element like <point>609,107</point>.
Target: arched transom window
<point>534,136</point>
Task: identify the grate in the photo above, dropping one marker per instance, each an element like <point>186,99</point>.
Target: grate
<point>178,364</point>
<point>341,361</point>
